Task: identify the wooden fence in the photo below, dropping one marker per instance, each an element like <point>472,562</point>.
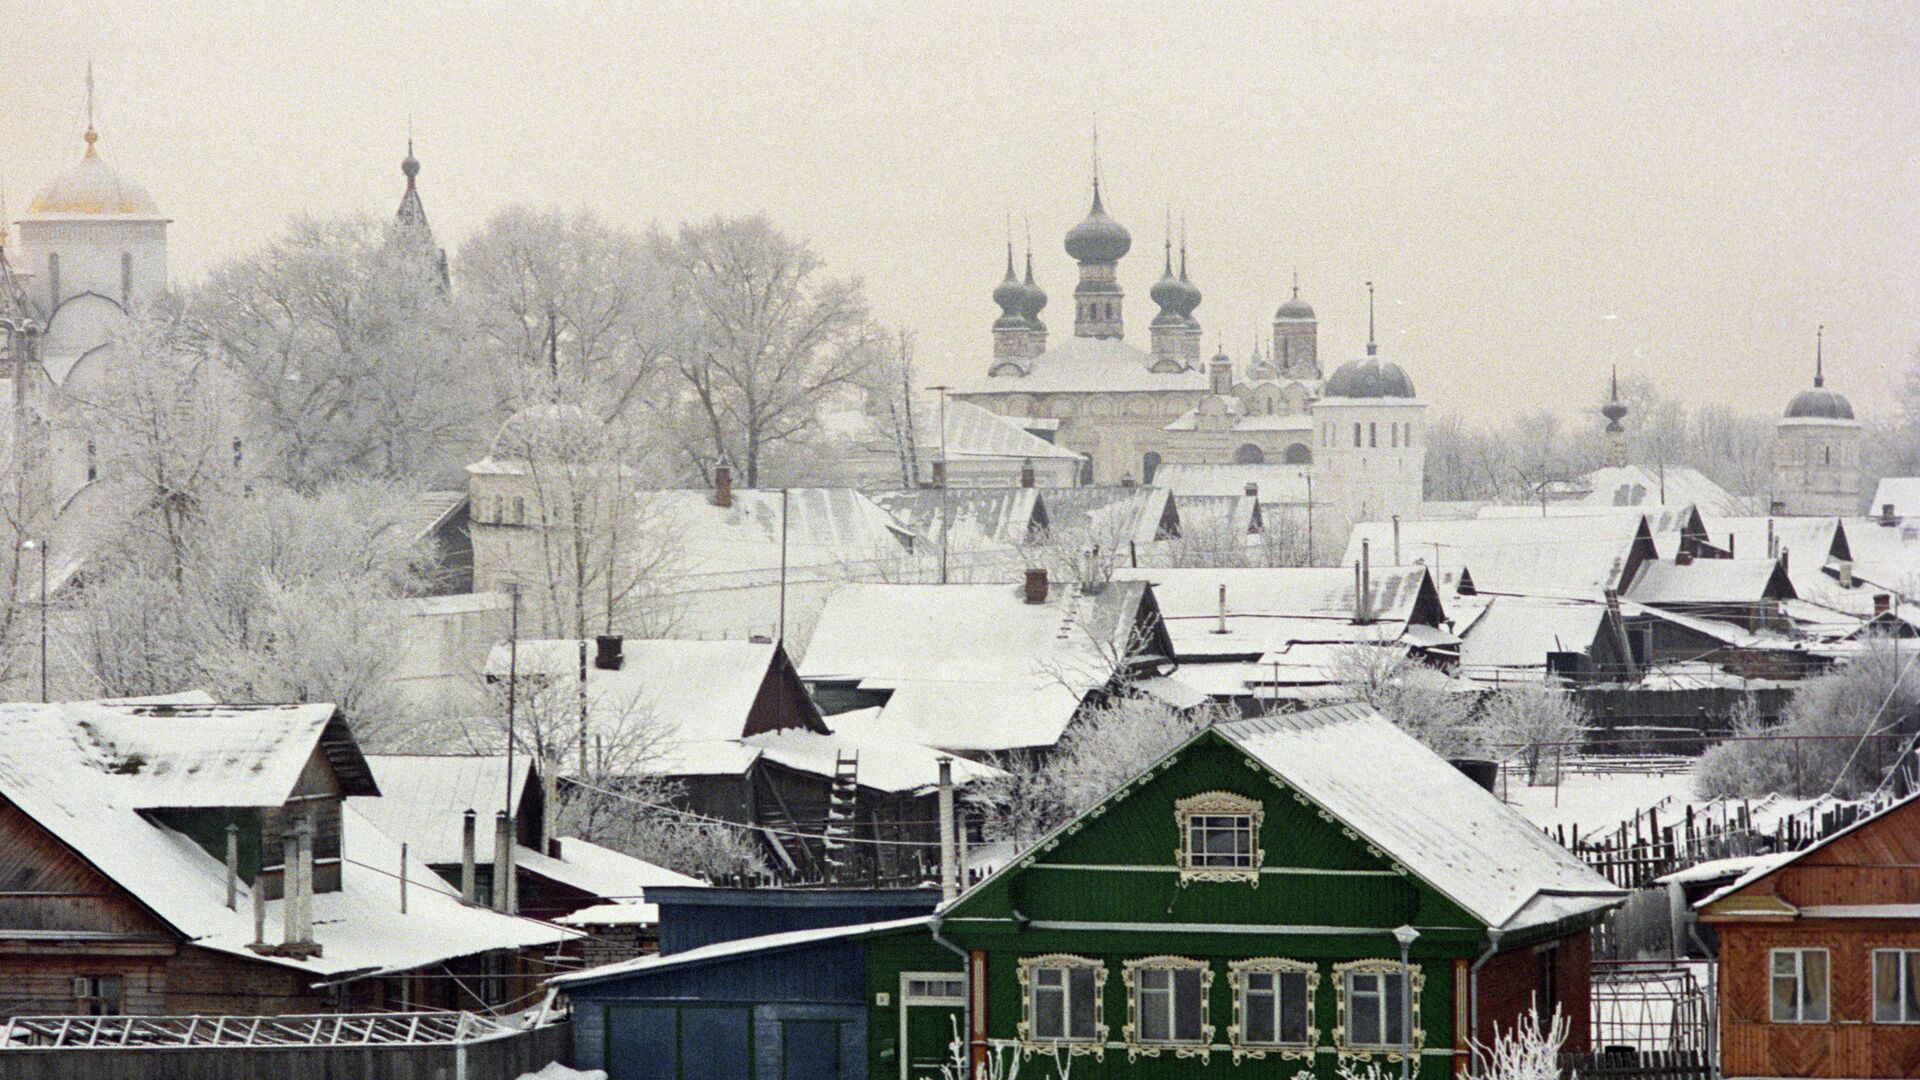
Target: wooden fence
<point>1632,1065</point>
<point>499,1057</point>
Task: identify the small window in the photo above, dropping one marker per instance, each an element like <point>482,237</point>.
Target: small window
<point>239,453</point>
<point>53,279</point>
<point>93,462</point>
<point>1272,1006</point>
<point>935,989</point>
<point>1219,837</point>
<point>519,510</point>
<point>1373,435</point>
<point>98,995</point>
<point>1062,1002</point>
<point>1799,986</point>
<point>1896,986</point>
<point>1167,1003</point>
<point>1356,436</point>
<point>126,278</point>
<point>1374,1000</point>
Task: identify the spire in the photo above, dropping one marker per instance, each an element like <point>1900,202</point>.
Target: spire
<point>1296,284</point>
<point>1371,347</point>
<point>1819,369</point>
<point>1183,246</point>
<point>1613,393</point>
<point>1096,161</point>
<point>91,136</point>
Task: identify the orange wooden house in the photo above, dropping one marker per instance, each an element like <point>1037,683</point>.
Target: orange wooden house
<point>1820,956</point>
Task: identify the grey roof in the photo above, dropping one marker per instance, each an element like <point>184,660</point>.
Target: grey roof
<point>1708,581</point>
<point>1424,814</point>
<point>967,517</point>
<point>1369,377</point>
<point>1819,403</point>
<point>1294,309</point>
<point>1112,513</point>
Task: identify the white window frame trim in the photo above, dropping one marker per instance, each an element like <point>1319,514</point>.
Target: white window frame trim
<point>1136,1048</point>
<point>1216,804</point>
<point>1873,968</point>
<point>1416,981</point>
<point>1029,1043</point>
<point>1275,966</point>
<point>1800,979</point>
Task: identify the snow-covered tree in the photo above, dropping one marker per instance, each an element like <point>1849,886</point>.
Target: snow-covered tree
<point>348,354</point>
<point>1840,732</point>
<point>1530,1050</point>
<point>1532,721</point>
<point>761,337</point>
<point>1423,702</point>
<point>275,595</point>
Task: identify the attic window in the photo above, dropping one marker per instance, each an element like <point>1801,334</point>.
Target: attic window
<point>1219,837</point>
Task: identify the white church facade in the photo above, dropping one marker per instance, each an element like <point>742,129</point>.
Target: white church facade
<point>1355,440</point>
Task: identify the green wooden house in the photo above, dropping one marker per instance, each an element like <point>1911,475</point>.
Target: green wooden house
<point>1240,907</point>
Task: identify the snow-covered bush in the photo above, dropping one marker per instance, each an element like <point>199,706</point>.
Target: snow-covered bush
<point>1426,704</point>
<point>1527,1051</point>
<point>1530,721</point>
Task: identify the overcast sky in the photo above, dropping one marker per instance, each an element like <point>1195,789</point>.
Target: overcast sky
<point>1538,190</point>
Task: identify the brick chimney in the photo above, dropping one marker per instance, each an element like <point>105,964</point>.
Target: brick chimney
<point>608,652</point>
<point>1683,557</point>
<point>1127,480</point>
<point>1026,473</point>
<point>939,474</point>
<point>1882,603</point>
<point>1253,490</point>
<point>1845,566</point>
<point>722,486</point>
<point>1036,592</point>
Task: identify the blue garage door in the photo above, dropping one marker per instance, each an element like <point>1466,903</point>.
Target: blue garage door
<point>810,1050</point>
<point>687,1042</point>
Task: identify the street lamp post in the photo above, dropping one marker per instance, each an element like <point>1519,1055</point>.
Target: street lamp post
<point>41,547</point>
<point>1406,936</point>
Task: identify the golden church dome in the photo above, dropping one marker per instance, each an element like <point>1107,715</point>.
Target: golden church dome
<point>92,187</point>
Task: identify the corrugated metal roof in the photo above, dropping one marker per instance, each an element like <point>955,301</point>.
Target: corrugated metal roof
<point>1114,513</point>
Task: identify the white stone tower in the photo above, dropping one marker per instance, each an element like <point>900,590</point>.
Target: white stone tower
<point>1371,452</point>
<point>1816,450</point>
<point>1296,338</point>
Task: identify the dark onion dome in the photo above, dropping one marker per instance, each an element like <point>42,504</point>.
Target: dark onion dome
<point>1010,294</point>
<point>1036,296</point>
<point>1294,310</point>
<point>1614,410</point>
<point>1819,403</point>
<point>1098,238</point>
<point>1369,377</point>
<point>1189,292</point>
<point>1167,292</point>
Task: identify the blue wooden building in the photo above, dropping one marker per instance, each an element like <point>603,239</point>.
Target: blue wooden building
<point>694,916</point>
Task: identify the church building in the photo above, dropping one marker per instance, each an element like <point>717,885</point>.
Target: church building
<point>1357,438</point>
<point>1816,450</point>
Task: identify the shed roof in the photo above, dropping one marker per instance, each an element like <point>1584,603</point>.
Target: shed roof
<point>424,797</point>
<point>1513,635</point>
<point>1548,556</point>
<point>1269,608</point>
<point>1710,581</point>
<point>1113,514</point>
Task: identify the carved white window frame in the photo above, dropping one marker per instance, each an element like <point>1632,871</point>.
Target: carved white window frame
<point>1212,804</point>
<point>1029,1043</point>
<point>1416,980</point>
<point>1130,973</point>
<point>1272,965</point>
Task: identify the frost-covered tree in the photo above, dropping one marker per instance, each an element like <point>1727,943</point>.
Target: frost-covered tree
<point>348,354</point>
<point>1533,722</point>
<point>1530,1050</point>
<point>761,336</point>
<point>271,596</point>
<point>898,411</point>
<point>567,295</point>
<point>1840,732</point>
<point>1423,702</point>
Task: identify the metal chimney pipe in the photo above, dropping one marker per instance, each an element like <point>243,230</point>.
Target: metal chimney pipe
<point>502,859</point>
<point>1222,627</point>
<point>233,866</point>
<point>306,881</point>
<point>949,876</point>
<point>290,886</point>
<point>403,878</point>
<point>259,891</point>
<point>1366,581</point>
<point>467,887</point>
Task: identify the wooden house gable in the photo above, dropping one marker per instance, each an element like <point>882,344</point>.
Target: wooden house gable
<point>1877,862</point>
<point>47,889</point>
<point>1123,862</point>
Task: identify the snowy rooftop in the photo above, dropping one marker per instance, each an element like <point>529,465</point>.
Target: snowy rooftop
<point>974,432</point>
<point>1514,634</point>
<point>690,698</point>
<point>1900,492</point>
<point>888,756</point>
<point>967,518</point>
<point>1550,556</point>
<point>1113,514</point>
<point>424,798</point>
<point>713,545</point>
<point>604,872</point>
<point>51,769</point>
<point>1275,483</point>
<point>1442,826</point>
<point>1708,581</point>
<point>1106,365</point>
<point>1269,608</point>
<point>1673,485</point>
<point>1221,516</point>
<point>974,667</point>
<point>1668,524</point>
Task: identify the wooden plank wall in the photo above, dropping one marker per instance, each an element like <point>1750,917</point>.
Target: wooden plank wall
<point>1850,1044</point>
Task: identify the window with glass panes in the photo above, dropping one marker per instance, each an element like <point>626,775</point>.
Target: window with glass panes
<point>1273,1007</point>
<point>1220,841</point>
<point>1376,1009</point>
<point>1062,1002</point>
<point>1169,1005</point>
<point>1896,986</point>
<point>1798,991</point>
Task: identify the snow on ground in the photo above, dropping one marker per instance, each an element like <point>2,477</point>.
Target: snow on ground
<point>557,1071</point>
<point>1597,802</point>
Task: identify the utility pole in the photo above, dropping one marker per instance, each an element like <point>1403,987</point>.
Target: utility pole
<point>782,635</point>
<point>946,505</point>
<point>513,680</point>
<point>41,545</point>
